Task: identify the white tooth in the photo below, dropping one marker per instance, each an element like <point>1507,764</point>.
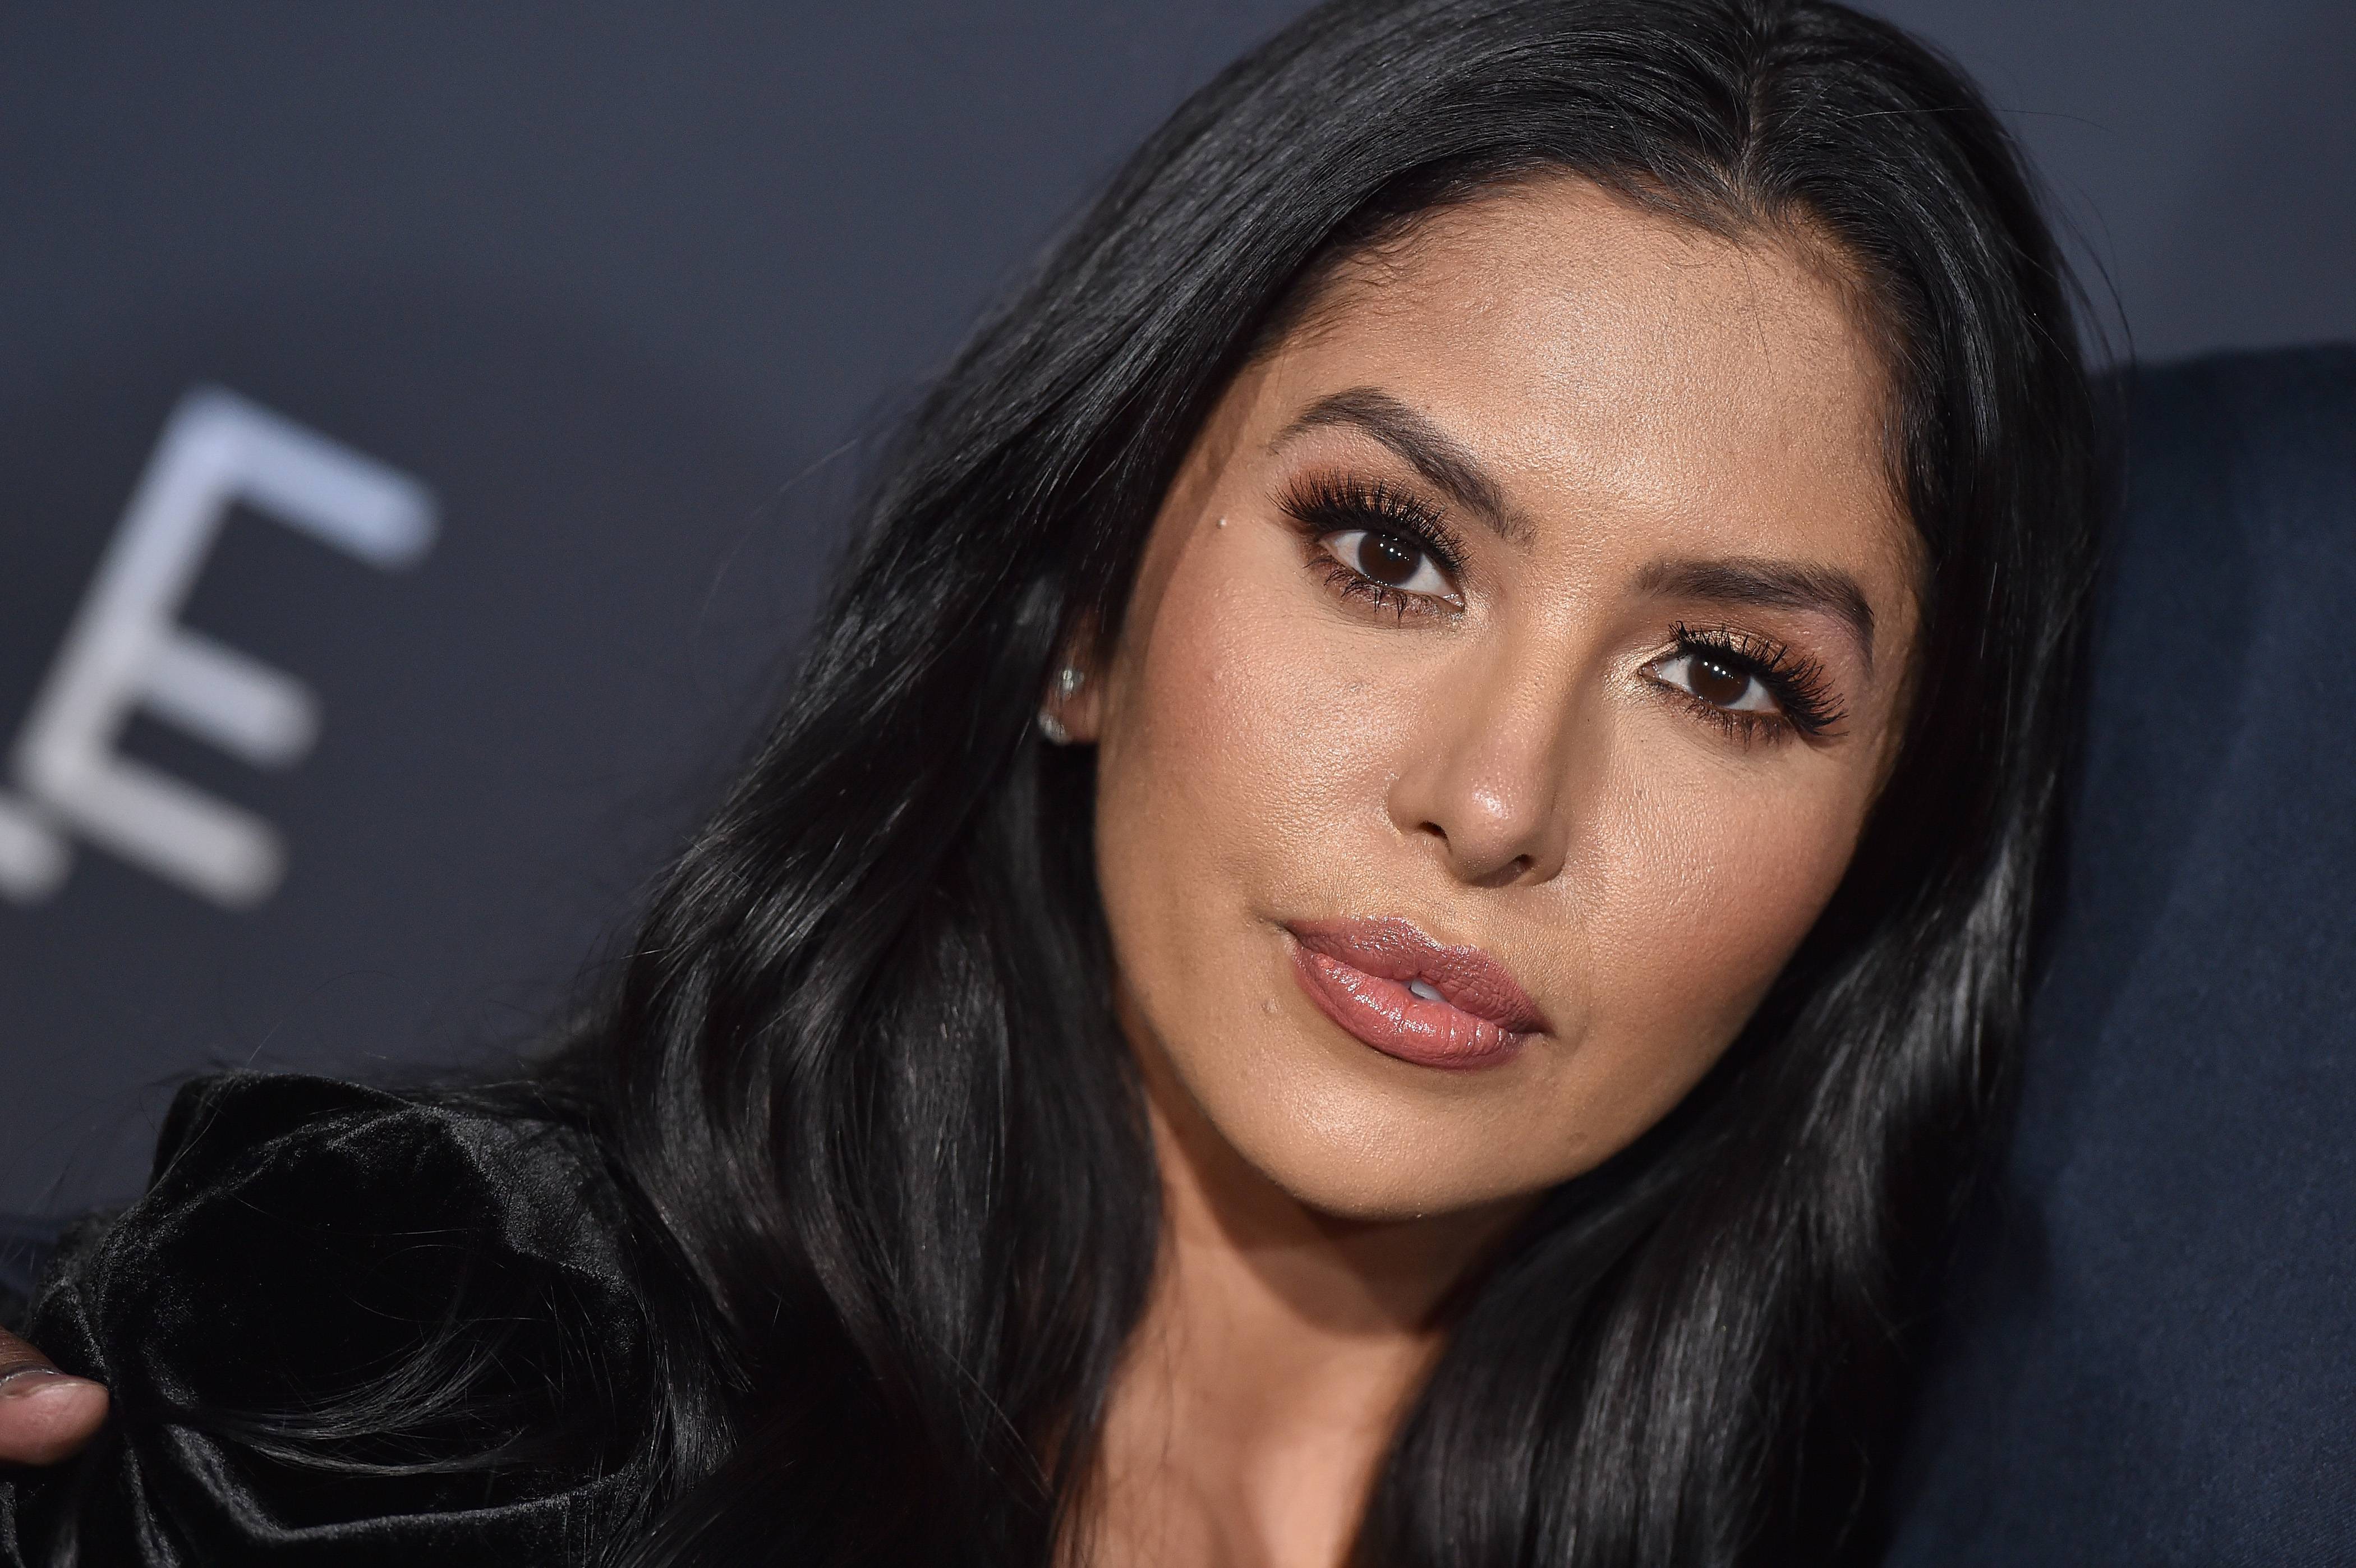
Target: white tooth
<point>1425,992</point>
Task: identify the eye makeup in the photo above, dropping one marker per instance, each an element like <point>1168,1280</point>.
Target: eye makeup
<point>1377,542</point>
<point>1752,687</point>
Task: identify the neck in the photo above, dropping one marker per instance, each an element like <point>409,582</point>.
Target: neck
<point>1278,1354</point>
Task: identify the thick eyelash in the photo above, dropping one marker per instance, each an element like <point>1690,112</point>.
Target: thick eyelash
<point>1327,504</point>
<point>1800,685</point>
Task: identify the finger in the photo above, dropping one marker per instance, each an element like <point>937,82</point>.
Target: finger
<point>45,1415</point>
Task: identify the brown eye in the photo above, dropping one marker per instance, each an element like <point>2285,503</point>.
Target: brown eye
<point>1717,680</point>
<point>1388,560</point>
<point>1714,681</point>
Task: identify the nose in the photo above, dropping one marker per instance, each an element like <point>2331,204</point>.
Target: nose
<point>1492,773</point>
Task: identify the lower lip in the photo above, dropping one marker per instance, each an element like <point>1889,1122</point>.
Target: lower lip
<point>1397,1022</point>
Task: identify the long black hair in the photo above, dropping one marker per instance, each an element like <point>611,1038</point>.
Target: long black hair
<point>859,1069</point>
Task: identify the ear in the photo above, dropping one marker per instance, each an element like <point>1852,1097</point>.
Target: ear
<point>1072,709</point>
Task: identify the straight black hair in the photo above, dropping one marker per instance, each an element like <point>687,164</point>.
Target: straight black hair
<point>859,1070</point>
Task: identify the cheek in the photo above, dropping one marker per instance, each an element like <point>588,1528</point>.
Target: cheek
<point>1707,873</point>
<point>1247,749</point>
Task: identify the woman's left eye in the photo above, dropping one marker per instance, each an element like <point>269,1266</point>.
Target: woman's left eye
<point>1390,561</point>
<point>1717,680</point>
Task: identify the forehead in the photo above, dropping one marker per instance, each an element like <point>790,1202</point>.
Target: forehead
<point>1720,393</point>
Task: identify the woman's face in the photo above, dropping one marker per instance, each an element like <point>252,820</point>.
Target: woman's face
<point>1508,679</point>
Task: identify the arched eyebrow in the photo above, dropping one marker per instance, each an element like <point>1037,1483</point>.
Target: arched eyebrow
<point>1767,584</point>
<point>1445,462</point>
<point>1450,467</point>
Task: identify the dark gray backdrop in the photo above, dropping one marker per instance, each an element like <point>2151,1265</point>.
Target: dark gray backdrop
<point>624,288</point>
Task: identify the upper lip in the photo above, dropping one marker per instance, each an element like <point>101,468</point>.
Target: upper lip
<point>1398,949</point>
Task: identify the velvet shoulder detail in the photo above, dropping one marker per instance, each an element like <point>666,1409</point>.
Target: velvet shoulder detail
<point>347,1328</point>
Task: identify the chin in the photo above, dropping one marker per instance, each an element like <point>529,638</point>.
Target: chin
<point>1379,1152</point>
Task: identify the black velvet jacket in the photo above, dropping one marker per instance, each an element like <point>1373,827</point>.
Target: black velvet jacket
<point>346,1328</point>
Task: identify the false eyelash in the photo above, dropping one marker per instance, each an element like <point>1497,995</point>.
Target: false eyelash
<point>1800,685</point>
<point>1324,504</point>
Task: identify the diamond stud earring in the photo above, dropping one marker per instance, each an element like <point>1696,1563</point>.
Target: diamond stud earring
<point>1068,680</point>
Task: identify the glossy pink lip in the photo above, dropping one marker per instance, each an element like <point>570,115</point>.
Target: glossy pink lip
<point>1359,972</point>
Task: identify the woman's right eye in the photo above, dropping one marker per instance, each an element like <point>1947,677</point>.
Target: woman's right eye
<point>1392,563</point>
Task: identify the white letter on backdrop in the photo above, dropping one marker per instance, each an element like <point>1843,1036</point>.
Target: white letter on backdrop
<point>126,649</point>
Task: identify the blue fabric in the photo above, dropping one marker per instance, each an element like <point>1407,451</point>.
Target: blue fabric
<point>2152,1353</point>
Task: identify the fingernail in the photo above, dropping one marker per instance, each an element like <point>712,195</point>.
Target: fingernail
<point>26,1381</point>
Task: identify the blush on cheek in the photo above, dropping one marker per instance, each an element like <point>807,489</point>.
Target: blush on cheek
<point>1264,742</point>
<point>1220,774</point>
<point>1714,886</point>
